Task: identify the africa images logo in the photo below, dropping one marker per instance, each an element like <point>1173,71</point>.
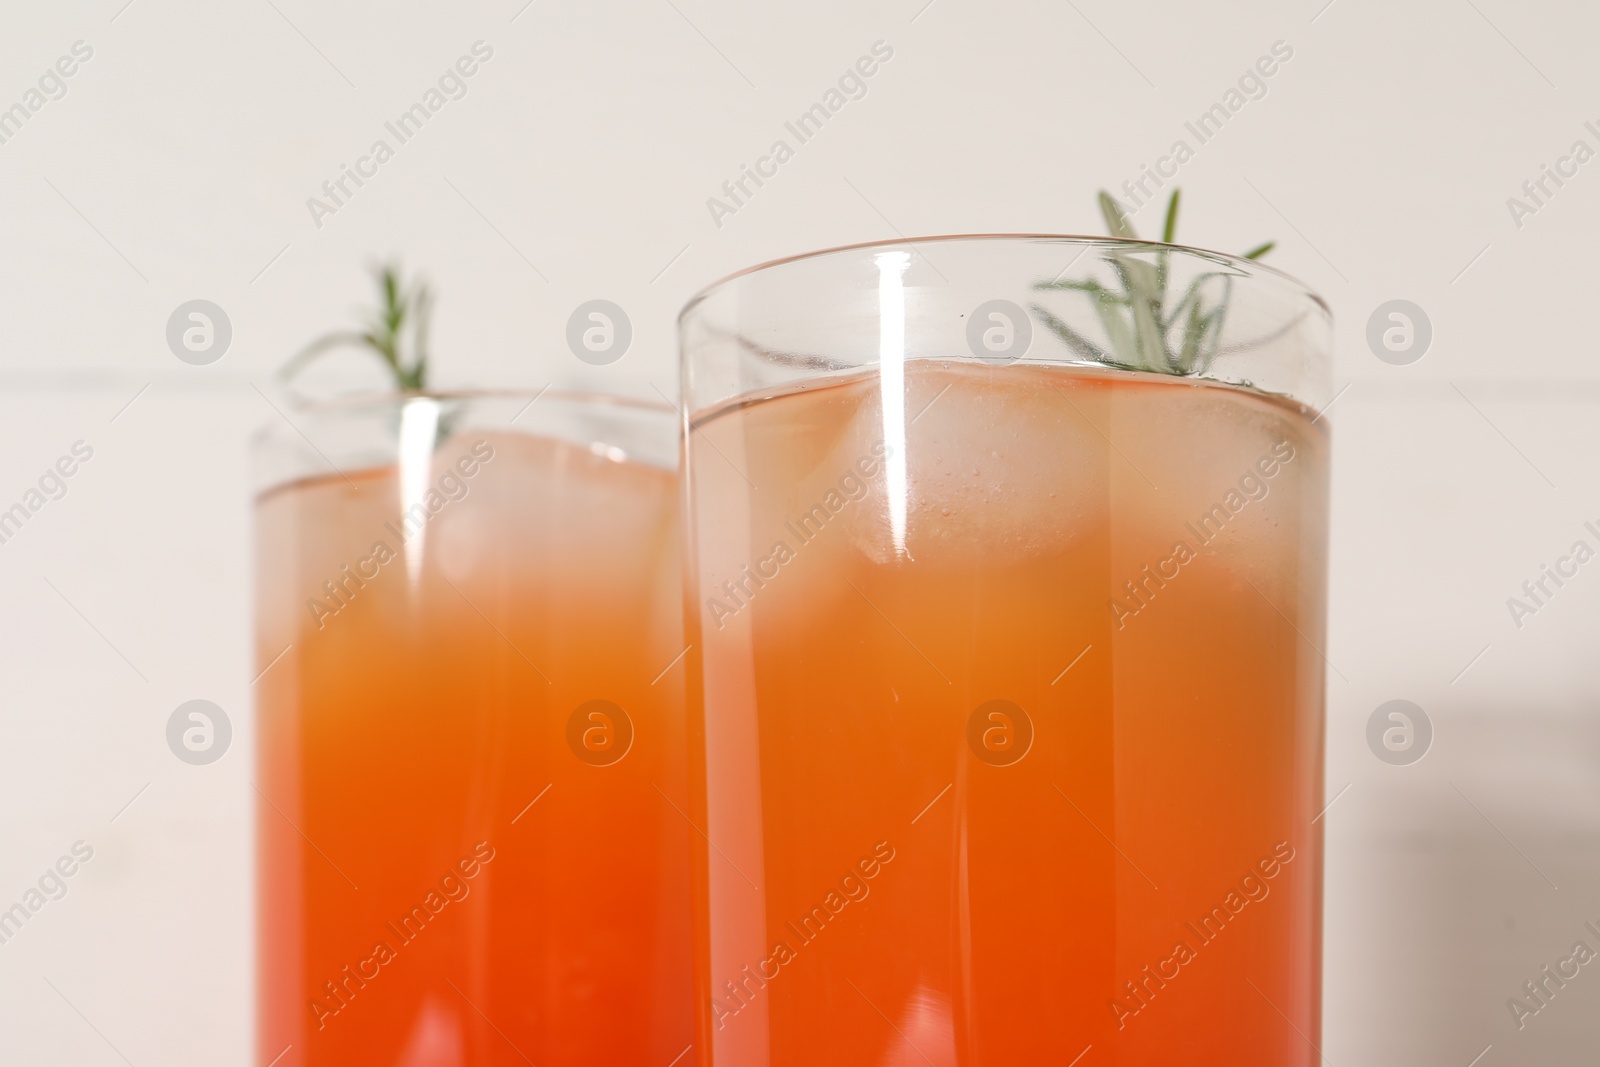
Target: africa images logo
<point>852,486</point>
<point>1253,485</point>
<point>852,887</point>
<point>337,192</point>
<point>451,487</point>
<point>454,886</point>
<point>1253,888</point>
<point>52,885</point>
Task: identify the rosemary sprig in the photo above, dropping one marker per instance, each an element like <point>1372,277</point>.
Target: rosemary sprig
<point>1144,330</point>
<point>403,310</point>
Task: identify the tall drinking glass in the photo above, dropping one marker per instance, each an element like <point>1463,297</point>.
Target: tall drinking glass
<point>473,840</point>
<point>1007,578</point>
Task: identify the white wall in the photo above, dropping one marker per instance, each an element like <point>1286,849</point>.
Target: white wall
<point>578,166</point>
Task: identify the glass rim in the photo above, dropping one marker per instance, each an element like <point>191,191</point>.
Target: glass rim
<point>1254,265</point>
<point>358,402</point>
<point>358,412</point>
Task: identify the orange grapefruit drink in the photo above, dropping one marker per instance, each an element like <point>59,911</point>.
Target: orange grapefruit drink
<point>1006,698</point>
<point>473,847</point>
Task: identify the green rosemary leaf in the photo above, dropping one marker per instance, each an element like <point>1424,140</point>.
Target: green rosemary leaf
<point>1140,321</point>
<point>321,346</point>
<point>394,307</point>
<point>1191,295</point>
<point>1116,221</point>
<point>1213,332</point>
<point>1086,286</point>
<point>386,335</point>
<point>1074,340</point>
<point>1145,292</point>
<point>1115,323</point>
<point>1144,283</point>
<point>1194,328</point>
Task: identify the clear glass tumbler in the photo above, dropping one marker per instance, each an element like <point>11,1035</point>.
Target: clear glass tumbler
<point>1007,589</point>
<point>473,842</point>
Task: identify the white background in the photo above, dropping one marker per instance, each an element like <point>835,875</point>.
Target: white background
<point>578,166</point>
